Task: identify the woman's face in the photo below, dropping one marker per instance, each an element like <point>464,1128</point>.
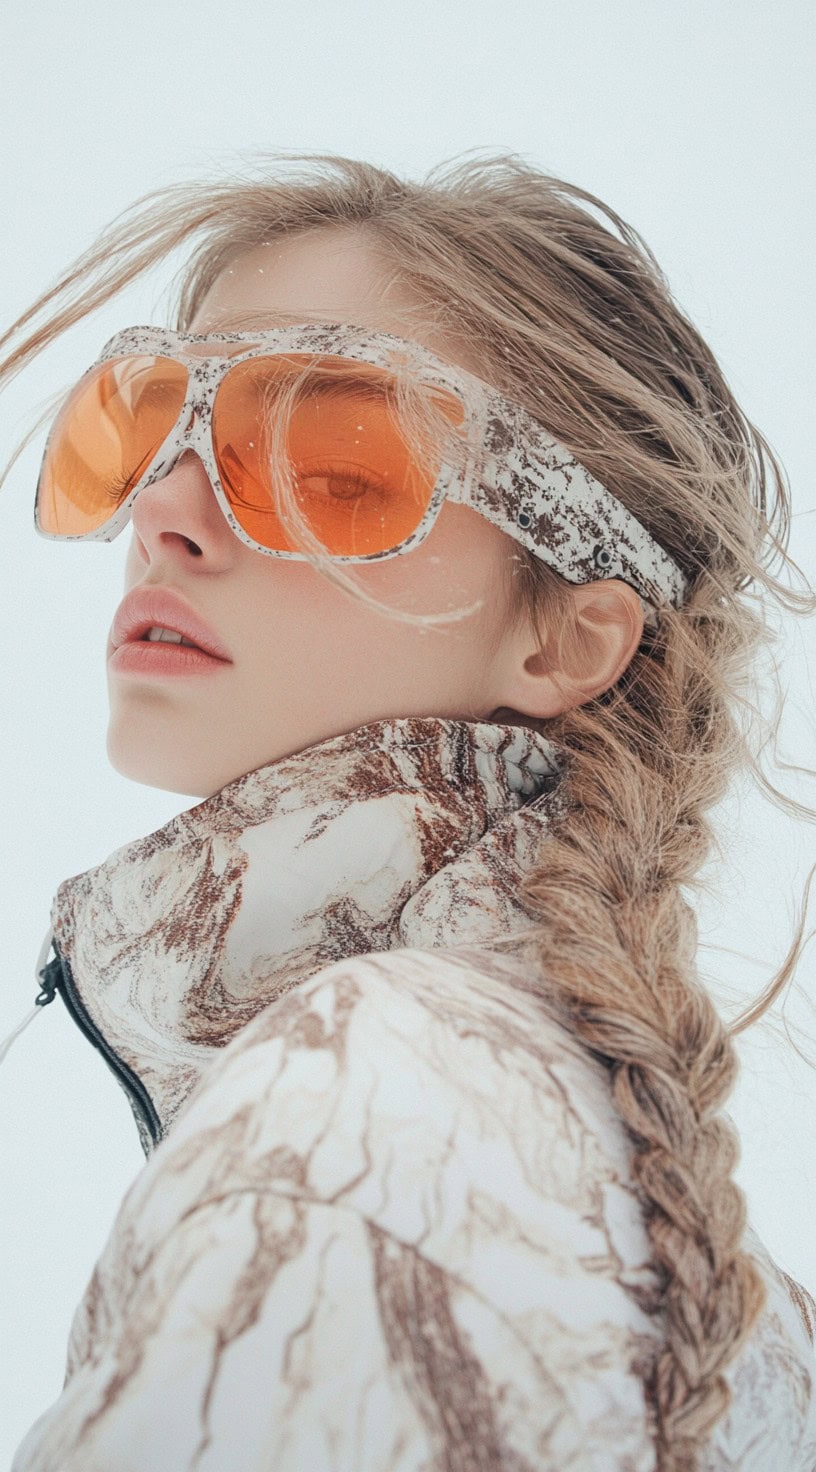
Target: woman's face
<point>307,660</point>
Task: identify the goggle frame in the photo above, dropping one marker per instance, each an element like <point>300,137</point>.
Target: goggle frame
<point>514,472</point>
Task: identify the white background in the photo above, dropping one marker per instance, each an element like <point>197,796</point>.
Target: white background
<point>692,121</point>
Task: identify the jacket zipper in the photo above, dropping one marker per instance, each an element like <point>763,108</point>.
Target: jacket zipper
<point>56,977</point>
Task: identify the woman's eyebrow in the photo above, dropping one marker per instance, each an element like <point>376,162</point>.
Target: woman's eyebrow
<point>317,382</point>
<point>347,386</point>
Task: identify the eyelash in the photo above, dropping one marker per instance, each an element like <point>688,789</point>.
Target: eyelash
<point>348,473</point>
<point>115,491</point>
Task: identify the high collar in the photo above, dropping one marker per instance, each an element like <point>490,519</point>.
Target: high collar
<point>403,832</point>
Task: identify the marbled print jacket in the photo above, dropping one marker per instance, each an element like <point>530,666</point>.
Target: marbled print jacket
<point>387,1220</point>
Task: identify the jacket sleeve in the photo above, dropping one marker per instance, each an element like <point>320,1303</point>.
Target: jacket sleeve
<point>255,1335</point>
<point>380,1236</point>
<point>288,1282</point>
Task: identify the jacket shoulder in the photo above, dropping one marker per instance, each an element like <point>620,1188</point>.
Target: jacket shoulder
<point>402,1072</point>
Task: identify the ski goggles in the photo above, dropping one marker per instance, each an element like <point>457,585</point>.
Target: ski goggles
<point>323,409</point>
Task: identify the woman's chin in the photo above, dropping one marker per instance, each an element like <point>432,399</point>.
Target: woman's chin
<point>151,766</point>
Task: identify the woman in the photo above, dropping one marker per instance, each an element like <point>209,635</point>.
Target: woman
<point>460,513</point>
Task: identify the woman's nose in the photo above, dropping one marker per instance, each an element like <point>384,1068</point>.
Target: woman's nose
<point>179,513</point>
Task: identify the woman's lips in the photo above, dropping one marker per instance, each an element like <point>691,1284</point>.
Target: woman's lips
<point>155,659</point>
<point>156,605</point>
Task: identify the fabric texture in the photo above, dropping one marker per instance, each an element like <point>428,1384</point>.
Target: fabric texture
<point>391,1222</point>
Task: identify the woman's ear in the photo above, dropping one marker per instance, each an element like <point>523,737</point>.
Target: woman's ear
<point>586,660</point>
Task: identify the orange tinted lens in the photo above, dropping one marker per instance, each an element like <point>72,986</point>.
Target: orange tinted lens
<point>103,440</point>
<point>355,480</point>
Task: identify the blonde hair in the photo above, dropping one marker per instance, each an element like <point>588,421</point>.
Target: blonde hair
<point>575,320</point>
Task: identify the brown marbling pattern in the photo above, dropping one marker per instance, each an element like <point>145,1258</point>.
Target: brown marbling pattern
<point>403,832</point>
<point>392,1225</point>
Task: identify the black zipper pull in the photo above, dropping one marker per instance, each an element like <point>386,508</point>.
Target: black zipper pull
<point>48,977</point>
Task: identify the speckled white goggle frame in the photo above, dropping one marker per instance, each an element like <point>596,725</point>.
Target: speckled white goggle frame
<point>516,475</point>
